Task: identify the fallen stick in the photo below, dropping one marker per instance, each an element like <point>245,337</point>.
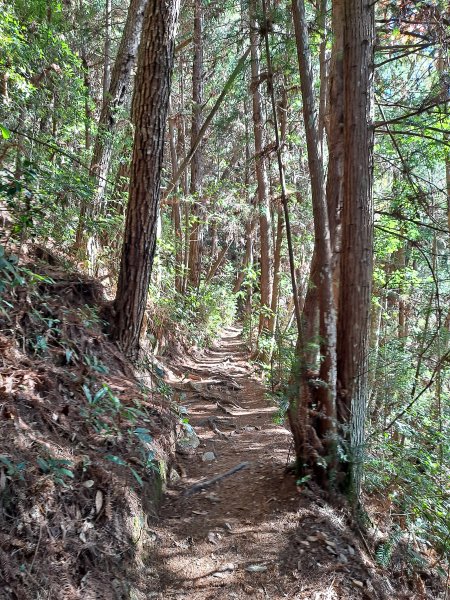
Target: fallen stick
<point>204,484</point>
<point>216,429</point>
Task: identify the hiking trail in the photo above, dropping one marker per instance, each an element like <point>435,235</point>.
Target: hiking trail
<point>252,534</point>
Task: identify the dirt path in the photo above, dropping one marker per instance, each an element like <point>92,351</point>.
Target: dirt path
<point>252,534</point>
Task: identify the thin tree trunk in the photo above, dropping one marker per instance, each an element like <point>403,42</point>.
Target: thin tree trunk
<point>276,271</point>
<point>217,263</point>
<point>357,229</point>
<point>326,393</point>
<point>260,171</point>
<point>197,160</point>
<point>335,137</point>
<point>150,107</point>
<point>107,52</point>
<point>322,23</point>
<point>119,89</point>
<point>176,212</point>
<point>248,258</point>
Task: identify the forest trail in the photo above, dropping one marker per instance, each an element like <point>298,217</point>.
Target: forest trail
<point>252,534</point>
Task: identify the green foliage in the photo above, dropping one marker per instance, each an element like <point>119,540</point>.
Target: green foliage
<point>385,550</point>
<point>201,313</point>
<point>14,470</point>
<point>57,468</point>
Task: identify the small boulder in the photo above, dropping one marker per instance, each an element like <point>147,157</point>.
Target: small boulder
<point>189,441</point>
<point>208,457</point>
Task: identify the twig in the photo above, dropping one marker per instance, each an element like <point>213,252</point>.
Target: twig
<point>203,484</point>
<point>36,551</point>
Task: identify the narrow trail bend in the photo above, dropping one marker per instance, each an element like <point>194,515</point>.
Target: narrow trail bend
<point>250,535</point>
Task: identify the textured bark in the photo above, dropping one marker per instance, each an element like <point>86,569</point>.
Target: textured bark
<point>357,227</point>
<point>217,263</point>
<point>150,107</point>
<point>197,160</point>
<point>248,258</point>
<point>107,51</point>
<point>323,66</point>
<point>119,89</point>
<point>260,170</point>
<point>322,265</point>
<point>276,271</point>
<point>176,211</point>
<point>335,125</point>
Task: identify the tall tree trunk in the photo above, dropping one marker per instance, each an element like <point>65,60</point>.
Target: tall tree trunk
<point>335,125</point>
<point>197,160</point>
<point>260,170</point>
<point>150,107</point>
<point>119,89</point>
<point>323,66</point>
<point>107,52</point>
<point>308,448</point>
<point>276,271</point>
<point>248,258</point>
<point>176,211</point>
<point>357,229</point>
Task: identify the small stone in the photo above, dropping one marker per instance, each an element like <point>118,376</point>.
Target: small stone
<point>208,457</point>
<point>227,526</point>
<point>304,543</point>
<point>351,550</point>
<point>188,442</point>
<point>343,559</point>
<point>227,567</point>
<point>212,538</point>
<point>358,583</point>
<point>312,538</point>
<point>256,568</point>
<point>213,497</point>
<point>219,574</point>
<point>174,475</point>
<point>331,550</point>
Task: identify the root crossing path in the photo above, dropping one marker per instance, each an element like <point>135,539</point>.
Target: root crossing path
<point>233,524</point>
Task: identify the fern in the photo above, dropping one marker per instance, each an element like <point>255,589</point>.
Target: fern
<point>386,549</point>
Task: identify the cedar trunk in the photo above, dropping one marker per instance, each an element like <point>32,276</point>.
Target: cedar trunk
<point>196,162</point>
<point>260,171</point>
<point>150,107</point>
<point>357,228</point>
<point>312,443</point>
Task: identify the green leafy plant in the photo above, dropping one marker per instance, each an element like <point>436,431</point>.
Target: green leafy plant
<point>57,468</point>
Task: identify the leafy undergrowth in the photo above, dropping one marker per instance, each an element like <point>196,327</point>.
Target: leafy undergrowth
<point>84,442</point>
<point>193,319</point>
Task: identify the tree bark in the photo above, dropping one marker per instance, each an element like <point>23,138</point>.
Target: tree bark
<point>260,171</point>
<point>276,271</point>
<point>107,52</point>
<point>119,88</point>
<point>150,107</point>
<point>357,229</point>
<point>176,212</point>
<point>196,162</point>
<point>335,127</point>
<point>310,449</point>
